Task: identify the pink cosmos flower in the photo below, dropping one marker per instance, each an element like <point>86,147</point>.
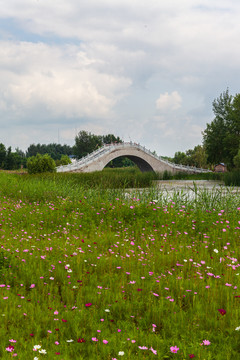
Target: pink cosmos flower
<point>153,351</point>
<point>105,341</point>
<point>205,342</point>
<point>174,349</point>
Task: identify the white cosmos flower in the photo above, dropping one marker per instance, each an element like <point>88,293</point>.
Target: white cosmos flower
<point>121,353</point>
<point>36,347</point>
<point>43,351</point>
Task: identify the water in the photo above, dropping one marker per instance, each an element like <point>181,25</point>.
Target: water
<point>185,190</point>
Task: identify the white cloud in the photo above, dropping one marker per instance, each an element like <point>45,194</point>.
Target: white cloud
<point>62,80</point>
<point>168,102</point>
<point>123,56</point>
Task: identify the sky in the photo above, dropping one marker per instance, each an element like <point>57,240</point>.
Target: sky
<point>145,70</point>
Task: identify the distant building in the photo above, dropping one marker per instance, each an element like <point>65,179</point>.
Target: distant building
<point>220,168</point>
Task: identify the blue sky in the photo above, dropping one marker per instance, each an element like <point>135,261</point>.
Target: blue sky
<point>145,70</point>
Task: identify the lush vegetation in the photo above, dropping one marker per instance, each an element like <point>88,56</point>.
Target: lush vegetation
<point>221,137</point>
<point>40,164</point>
<point>96,273</point>
<point>11,160</point>
<point>193,157</point>
<point>56,151</point>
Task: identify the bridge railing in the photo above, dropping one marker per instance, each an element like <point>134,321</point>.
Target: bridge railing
<point>107,148</point>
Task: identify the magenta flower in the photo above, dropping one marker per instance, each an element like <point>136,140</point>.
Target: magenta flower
<point>10,348</point>
<point>88,304</point>
<point>191,356</point>
<point>222,311</point>
<point>81,340</point>
<point>174,349</point>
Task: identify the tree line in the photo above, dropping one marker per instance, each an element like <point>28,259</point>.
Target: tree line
<point>221,143</point>
<point>85,143</point>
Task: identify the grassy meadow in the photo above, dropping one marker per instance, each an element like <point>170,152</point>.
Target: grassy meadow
<point>90,270</point>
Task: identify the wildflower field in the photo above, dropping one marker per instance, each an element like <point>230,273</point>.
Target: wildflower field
<point>91,273</point>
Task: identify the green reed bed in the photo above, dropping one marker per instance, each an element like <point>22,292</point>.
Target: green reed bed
<point>117,274</point>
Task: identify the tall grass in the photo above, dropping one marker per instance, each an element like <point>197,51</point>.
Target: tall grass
<point>96,273</point>
<point>232,178</point>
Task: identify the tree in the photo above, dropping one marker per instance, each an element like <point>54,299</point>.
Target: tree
<point>199,157</point>
<point>33,150</point>
<point>179,158</point>
<point>221,137</point>
<point>232,137</point>
<point>236,160</point>
<point>40,164</point>
<point>22,156</point>
<point>54,150</point>
<point>111,139</point>
<point>2,155</point>
<point>9,160</point>
<point>85,143</point>
<point>65,160</point>
<point>193,157</point>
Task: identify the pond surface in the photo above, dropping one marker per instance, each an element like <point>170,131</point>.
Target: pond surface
<point>189,184</point>
<point>187,190</point>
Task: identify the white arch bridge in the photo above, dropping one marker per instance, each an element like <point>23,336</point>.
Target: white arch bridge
<point>143,158</point>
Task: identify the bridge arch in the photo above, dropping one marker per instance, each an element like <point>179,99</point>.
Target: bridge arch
<point>142,164</point>
<point>143,158</point>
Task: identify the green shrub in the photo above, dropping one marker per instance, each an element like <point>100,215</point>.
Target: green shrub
<point>40,164</point>
<point>65,160</point>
